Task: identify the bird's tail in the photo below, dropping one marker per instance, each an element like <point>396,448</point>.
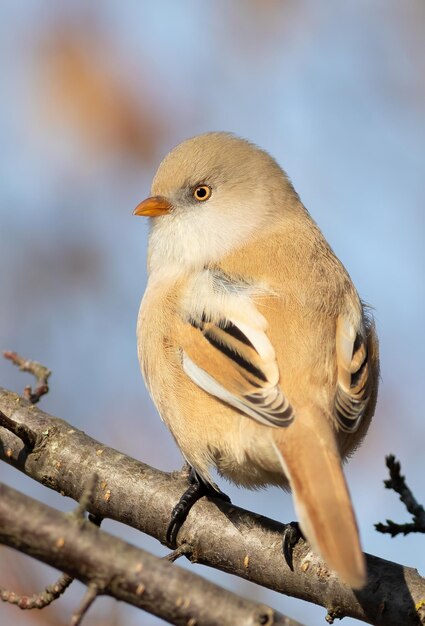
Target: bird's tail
<point>311,461</point>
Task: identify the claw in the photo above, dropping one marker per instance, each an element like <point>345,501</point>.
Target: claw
<point>291,536</point>
<point>198,488</point>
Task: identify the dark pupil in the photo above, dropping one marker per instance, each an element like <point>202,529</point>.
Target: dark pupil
<point>201,192</point>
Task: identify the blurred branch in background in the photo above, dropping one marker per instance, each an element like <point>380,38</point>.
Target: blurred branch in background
<point>215,533</point>
<point>37,600</point>
<point>23,574</point>
<point>108,565</point>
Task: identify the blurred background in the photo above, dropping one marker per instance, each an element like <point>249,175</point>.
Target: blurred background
<point>93,95</point>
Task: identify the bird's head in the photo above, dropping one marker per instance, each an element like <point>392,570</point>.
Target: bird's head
<point>209,195</point>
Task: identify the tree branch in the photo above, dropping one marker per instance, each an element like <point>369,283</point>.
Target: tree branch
<point>397,482</point>
<point>40,372</point>
<point>37,600</point>
<point>219,534</point>
<point>110,566</point>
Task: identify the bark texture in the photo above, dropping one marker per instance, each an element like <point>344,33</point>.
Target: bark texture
<point>217,534</point>
<point>110,566</point>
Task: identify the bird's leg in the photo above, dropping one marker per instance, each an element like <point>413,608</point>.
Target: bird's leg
<point>291,536</point>
<point>198,488</point>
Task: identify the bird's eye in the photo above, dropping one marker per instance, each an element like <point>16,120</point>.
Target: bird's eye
<point>202,193</point>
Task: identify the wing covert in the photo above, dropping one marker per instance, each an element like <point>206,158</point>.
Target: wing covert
<point>235,361</point>
<point>354,374</point>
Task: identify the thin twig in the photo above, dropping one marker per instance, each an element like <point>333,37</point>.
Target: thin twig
<point>397,482</point>
<point>37,600</point>
<point>52,592</point>
<point>88,599</point>
<point>39,371</point>
<point>183,550</point>
<point>86,496</point>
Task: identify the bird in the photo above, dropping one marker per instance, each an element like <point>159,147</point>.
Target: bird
<point>253,342</point>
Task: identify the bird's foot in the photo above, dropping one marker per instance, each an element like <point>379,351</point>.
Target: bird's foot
<point>291,536</point>
<point>198,488</point>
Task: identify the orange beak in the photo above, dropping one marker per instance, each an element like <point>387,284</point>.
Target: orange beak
<point>152,207</point>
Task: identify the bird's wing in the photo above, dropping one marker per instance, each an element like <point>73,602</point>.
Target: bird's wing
<point>227,353</point>
<point>354,383</point>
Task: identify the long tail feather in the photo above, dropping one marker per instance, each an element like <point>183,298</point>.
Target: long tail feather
<point>311,461</point>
